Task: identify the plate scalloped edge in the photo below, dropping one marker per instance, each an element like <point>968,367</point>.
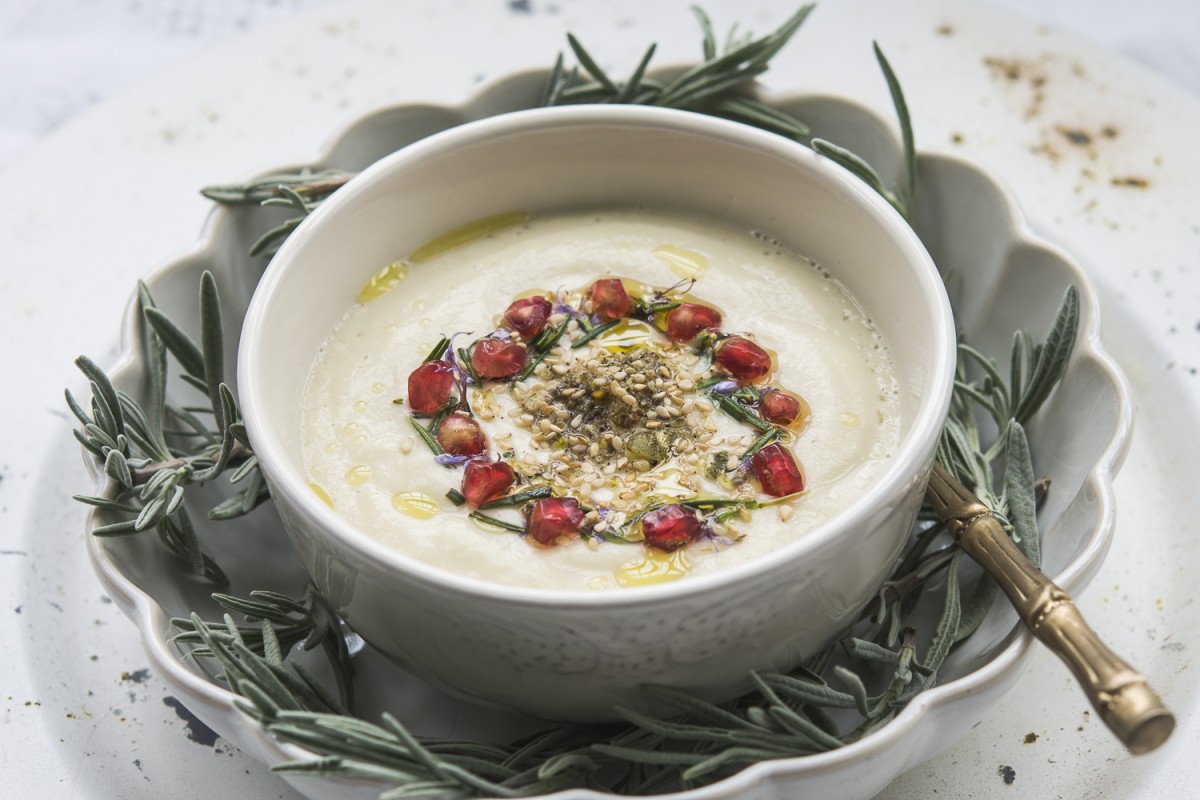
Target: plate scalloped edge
<point>950,709</point>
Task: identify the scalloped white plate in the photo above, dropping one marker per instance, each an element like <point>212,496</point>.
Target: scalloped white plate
<point>1001,276</point>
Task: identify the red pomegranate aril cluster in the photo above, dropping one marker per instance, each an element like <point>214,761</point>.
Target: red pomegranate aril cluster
<point>496,359</point>
<point>779,407</point>
<point>610,301</point>
<point>687,320</point>
<point>430,387</point>
<point>528,316</point>
<point>459,435</point>
<point>553,518</point>
<point>743,359</point>
<point>776,471</point>
<point>670,528</point>
<point>484,481</point>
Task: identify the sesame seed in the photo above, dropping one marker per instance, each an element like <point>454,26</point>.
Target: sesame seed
<point>629,400</point>
<point>406,445</point>
<point>784,512</point>
<point>654,423</point>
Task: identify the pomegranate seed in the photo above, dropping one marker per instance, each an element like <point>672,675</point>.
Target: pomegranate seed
<point>779,407</point>
<point>459,435</point>
<point>430,387</point>
<point>610,300</point>
<point>688,319</point>
<point>743,359</point>
<point>484,481</point>
<point>671,527</point>
<point>554,517</point>
<point>776,470</point>
<point>528,316</point>
<point>497,359</point>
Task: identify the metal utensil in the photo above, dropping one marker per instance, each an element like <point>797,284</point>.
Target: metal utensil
<point>1121,695</point>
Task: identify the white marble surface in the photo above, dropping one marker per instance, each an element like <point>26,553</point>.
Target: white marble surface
<point>112,113</point>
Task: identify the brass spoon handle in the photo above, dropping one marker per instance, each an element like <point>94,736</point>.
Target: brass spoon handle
<point>1118,692</point>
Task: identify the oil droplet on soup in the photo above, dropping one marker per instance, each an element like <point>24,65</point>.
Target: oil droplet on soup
<point>415,504</point>
<point>457,237</point>
<point>358,474</point>
<point>628,334</point>
<point>684,263</point>
<point>321,493</point>
<point>654,566</point>
<point>382,282</point>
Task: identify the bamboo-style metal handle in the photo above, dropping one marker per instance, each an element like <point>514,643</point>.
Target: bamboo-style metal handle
<point>1118,692</point>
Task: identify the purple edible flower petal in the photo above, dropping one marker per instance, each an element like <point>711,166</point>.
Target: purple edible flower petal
<point>725,387</point>
<point>448,460</point>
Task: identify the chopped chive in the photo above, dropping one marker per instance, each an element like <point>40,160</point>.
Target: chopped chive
<point>426,436</point>
<point>762,441</point>
<point>541,349</point>
<point>495,523</point>
<point>399,401</point>
<point>519,498</point>
<point>718,502</point>
<point>593,333</point>
<point>438,350</point>
<point>456,497</point>
<point>739,412</point>
<point>655,308</point>
<point>748,394</point>
<point>616,538</point>
<point>708,383</point>
<point>548,337</point>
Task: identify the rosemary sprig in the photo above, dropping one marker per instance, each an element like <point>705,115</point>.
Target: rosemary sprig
<point>309,623</point>
<point>904,200</point>
<point>150,471</point>
<point>720,85</point>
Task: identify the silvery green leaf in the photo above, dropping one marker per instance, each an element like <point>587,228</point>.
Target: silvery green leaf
<point>906,131</point>
<point>1019,493</point>
<point>103,393</point>
<point>590,66</point>
<point>947,627</point>
<point>180,345</point>
<point>116,467</point>
<point>1052,358</point>
<point>212,343</point>
<point>976,606</point>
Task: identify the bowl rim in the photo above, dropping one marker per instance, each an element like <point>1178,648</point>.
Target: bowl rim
<point>908,459</point>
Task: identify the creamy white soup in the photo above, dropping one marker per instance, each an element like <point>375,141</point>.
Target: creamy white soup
<point>599,400</point>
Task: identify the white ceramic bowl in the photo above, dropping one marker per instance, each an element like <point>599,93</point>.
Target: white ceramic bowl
<point>573,655</point>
